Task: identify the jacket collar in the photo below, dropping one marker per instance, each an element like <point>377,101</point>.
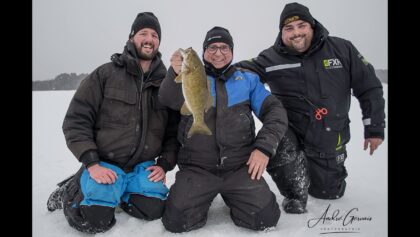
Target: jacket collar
<point>224,75</point>
<point>129,60</point>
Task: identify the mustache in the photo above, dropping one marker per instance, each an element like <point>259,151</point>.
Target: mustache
<point>147,44</point>
<point>297,36</point>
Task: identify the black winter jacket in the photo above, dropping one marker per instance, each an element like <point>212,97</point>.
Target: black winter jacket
<point>322,77</point>
<point>116,113</point>
<point>236,94</point>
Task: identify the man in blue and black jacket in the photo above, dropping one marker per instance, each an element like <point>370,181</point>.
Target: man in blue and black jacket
<point>314,75</point>
<point>233,159</point>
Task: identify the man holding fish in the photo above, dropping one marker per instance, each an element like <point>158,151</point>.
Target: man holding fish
<point>220,152</point>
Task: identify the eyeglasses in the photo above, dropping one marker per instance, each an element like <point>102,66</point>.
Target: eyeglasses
<point>224,49</point>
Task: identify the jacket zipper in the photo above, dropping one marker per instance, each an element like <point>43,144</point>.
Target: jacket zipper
<point>219,107</point>
<point>144,120</point>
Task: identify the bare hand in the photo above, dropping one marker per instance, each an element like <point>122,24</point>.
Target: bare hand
<point>157,174</point>
<point>102,175</point>
<point>257,163</point>
<point>374,144</point>
<point>176,62</point>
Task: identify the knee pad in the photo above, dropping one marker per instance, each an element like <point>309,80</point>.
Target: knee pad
<point>327,178</point>
<point>269,216</point>
<point>265,218</point>
<point>90,219</point>
<point>99,218</point>
<point>328,193</point>
<point>176,221</point>
<point>143,207</point>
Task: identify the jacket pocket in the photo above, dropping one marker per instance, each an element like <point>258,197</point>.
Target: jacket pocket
<point>338,124</point>
<point>240,129</point>
<point>251,124</point>
<point>338,130</point>
<point>118,107</point>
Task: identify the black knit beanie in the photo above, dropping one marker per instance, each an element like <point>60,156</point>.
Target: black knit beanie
<point>218,34</point>
<point>293,12</point>
<point>145,20</point>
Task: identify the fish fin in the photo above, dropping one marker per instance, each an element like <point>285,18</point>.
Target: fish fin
<point>209,97</point>
<point>199,128</point>
<point>185,110</point>
<point>209,86</point>
<point>209,103</point>
<point>178,79</point>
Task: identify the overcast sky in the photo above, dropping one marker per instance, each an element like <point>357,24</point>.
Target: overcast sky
<point>80,35</point>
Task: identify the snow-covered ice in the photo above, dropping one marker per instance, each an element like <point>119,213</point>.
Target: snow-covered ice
<point>367,187</point>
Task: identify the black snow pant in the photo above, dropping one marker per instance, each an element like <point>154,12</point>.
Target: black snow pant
<point>95,218</point>
<point>252,204</point>
<point>327,174</point>
<point>288,168</point>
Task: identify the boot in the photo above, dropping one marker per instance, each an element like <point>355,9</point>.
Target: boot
<point>294,206</point>
<point>55,201</point>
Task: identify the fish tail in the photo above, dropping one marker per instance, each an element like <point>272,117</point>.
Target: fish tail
<point>199,128</point>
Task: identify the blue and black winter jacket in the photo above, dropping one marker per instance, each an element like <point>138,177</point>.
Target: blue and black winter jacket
<point>236,94</point>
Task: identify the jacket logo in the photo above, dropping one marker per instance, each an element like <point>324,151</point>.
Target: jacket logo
<point>340,158</point>
<point>363,59</point>
<point>332,63</point>
<point>214,37</point>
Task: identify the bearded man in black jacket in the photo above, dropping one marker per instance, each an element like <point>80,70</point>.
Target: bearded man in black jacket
<point>125,139</point>
<point>314,75</point>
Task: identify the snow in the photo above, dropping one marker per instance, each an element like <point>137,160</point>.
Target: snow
<point>366,186</point>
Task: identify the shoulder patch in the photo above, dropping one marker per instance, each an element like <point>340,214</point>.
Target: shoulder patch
<point>363,59</point>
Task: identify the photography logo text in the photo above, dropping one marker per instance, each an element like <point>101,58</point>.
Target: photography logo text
<point>338,221</point>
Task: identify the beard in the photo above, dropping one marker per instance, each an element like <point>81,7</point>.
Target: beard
<point>146,56</point>
<point>301,45</point>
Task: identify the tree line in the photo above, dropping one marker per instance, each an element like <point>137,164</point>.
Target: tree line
<point>66,81</point>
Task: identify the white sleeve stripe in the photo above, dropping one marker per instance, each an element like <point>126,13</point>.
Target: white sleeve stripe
<point>366,121</point>
<point>282,66</point>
